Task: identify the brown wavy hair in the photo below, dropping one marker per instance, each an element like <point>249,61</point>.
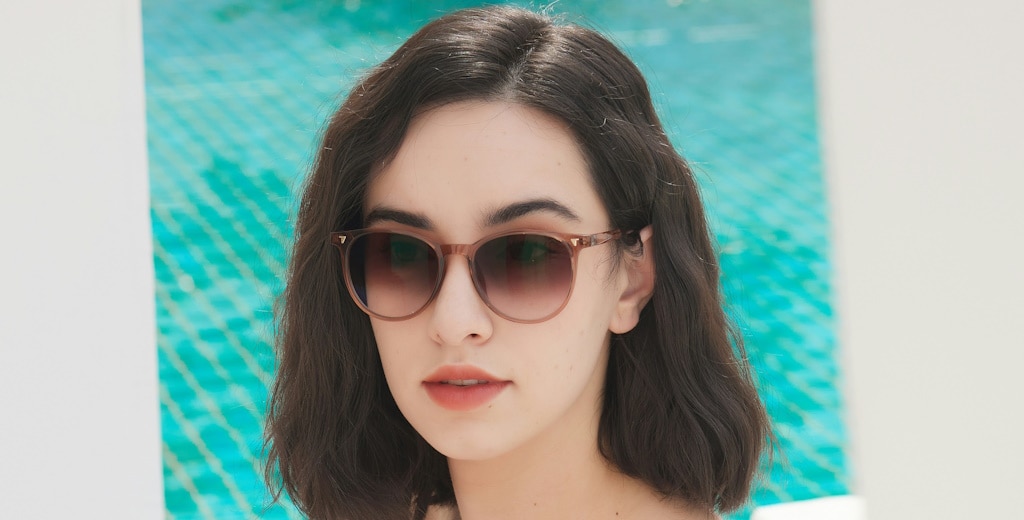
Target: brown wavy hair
<point>679,412</point>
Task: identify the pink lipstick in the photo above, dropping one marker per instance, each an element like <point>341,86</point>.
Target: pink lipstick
<point>462,388</point>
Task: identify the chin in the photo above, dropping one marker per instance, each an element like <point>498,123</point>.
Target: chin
<point>465,444</point>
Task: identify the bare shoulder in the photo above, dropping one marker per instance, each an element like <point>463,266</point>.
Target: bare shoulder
<point>667,509</point>
<point>442,513</point>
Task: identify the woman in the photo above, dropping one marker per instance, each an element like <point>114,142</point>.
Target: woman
<point>503,300</point>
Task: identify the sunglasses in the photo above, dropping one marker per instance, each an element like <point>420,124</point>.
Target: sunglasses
<point>523,276</point>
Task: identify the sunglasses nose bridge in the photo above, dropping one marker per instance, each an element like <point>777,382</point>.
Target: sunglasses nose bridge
<point>457,249</point>
<point>464,250</point>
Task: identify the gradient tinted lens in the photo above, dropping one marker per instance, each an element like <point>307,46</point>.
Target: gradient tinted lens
<point>525,277</point>
<point>393,275</point>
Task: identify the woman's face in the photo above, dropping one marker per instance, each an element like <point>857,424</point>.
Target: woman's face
<point>458,167</point>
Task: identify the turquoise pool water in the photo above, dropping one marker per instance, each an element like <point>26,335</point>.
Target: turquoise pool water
<point>236,92</point>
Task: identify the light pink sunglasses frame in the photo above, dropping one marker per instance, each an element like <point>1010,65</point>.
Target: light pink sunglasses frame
<point>574,243</point>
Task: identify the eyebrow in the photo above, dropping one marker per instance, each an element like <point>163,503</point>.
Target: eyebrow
<point>515,210</point>
<point>382,213</point>
<point>496,217</point>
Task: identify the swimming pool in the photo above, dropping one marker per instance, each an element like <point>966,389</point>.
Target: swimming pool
<point>236,92</point>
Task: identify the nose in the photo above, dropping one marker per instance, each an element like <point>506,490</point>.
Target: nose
<point>459,314</point>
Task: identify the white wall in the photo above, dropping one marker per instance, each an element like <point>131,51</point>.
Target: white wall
<point>79,413</point>
<point>924,148</point>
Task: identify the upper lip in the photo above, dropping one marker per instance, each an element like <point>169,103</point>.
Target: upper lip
<point>461,373</point>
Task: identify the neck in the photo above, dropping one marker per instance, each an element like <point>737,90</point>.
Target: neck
<point>555,480</point>
<point>536,482</point>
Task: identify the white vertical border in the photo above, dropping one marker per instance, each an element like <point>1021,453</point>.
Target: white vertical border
<point>80,427</point>
<point>924,152</point>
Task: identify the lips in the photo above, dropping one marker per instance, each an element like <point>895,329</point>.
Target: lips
<point>463,388</point>
<point>464,382</point>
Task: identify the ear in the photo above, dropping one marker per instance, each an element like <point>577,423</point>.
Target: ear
<point>639,271</point>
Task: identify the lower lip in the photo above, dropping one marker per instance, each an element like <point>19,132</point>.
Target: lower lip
<point>464,398</point>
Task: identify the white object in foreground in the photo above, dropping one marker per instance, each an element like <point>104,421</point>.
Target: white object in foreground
<point>846,507</point>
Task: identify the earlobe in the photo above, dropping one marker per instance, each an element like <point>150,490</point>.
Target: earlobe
<point>639,288</point>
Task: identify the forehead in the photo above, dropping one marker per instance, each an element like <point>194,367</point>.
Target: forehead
<point>461,161</point>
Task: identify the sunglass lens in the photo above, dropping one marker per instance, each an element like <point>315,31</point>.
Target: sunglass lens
<point>523,276</point>
<point>392,274</point>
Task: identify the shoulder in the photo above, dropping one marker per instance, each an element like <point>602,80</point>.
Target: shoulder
<point>672,509</point>
<point>442,513</point>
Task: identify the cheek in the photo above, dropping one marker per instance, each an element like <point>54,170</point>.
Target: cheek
<point>571,345</point>
<point>595,296</point>
<point>589,314</point>
<point>395,356</point>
